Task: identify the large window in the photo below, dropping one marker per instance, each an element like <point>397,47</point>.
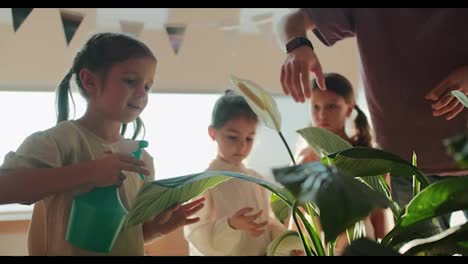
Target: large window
<point>176,129</point>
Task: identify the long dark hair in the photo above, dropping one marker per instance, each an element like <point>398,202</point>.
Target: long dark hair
<point>229,106</point>
<point>338,84</point>
<point>98,54</point>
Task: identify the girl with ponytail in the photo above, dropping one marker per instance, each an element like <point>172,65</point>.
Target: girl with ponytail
<point>330,109</point>
<point>114,73</point>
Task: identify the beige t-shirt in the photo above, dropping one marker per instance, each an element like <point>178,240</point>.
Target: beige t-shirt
<point>212,235</point>
<point>65,144</point>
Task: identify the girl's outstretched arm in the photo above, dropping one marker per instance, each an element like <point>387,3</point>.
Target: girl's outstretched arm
<point>32,184</point>
<point>28,185</point>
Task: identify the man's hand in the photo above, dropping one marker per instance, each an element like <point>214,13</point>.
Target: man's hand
<point>445,104</point>
<point>295,73</point>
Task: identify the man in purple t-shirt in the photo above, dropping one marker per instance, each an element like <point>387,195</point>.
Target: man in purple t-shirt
<point>411,60</point>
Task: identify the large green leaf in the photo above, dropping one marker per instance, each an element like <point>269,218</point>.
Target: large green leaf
<point>342,200</point>
<point>322,141</point>
<point>398,237</point>
<point>438,199</point>
<point>449,242</point>
<point>362,161</point>
<point>280,208</point>
<point>155,197</point>
<point>461,97</point>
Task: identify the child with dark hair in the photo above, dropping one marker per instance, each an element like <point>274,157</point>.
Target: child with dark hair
<point>329,109</point>
<point>237,219</point>
<point>114,72</point>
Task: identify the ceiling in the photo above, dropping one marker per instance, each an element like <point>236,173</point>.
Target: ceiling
<point>243,19</point>
<point>217,42</point>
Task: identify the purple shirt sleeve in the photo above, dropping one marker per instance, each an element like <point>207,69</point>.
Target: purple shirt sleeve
<point>332,24</point>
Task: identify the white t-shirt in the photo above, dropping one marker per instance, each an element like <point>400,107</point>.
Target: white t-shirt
<point>212,235</point>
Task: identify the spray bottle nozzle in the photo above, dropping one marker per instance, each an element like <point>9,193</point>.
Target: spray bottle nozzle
<point>137,154</point>
<point>142,144</point>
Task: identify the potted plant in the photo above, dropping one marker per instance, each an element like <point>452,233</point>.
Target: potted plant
<point>349,178</point>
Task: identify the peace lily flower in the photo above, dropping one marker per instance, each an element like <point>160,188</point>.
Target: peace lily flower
<point>261,102</point>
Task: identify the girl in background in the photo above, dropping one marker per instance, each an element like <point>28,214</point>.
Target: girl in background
<point>330,109</point>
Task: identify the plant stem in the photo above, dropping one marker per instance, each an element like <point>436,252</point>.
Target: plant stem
<point>331,248</point>
<point>416,182</point>
<point>305,243</point>
<point>287,147</point>
<point>312,216</point>
<point>315,227</point>
<point>294,162</point>
<point>349,236</point>
<point>316,240</point>
<point>423,179</point>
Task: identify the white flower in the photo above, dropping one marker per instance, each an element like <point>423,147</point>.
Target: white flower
<point>261,102</point>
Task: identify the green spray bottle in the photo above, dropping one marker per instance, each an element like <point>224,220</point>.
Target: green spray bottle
<point>97,217</point>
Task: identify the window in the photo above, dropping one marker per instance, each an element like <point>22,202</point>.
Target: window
<point>23,113</point>
<point>176,129</point>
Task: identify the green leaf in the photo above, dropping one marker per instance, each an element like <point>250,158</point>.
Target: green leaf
<point>342,200</point>
<point>449,242</point>
<point>280,208</point>
<point>397,237</point>
<point>379,184</point>
<point>261,102</point>
<point>362,161</point>
<point>322,141</point>
<point>312,230</point>
<point>284,243</point>
<point>461,97</point>
<point>438,199</point>
<point>155,197</point>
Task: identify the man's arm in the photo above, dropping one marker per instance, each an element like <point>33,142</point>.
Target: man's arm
<point>295,24</point>
<point>300,61</point>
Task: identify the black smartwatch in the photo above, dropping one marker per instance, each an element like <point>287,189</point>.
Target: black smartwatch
<point>298,42</point>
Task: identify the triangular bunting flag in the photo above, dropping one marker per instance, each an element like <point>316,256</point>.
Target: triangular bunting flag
<point>70,22</point>
<point>133,28</point>
<point>19,15</point>
<point>176,36</point>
